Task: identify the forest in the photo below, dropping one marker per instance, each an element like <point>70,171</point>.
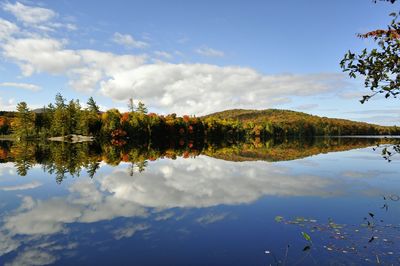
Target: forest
<point>65,118</point>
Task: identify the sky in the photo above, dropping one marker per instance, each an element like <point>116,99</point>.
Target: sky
<point>191,57</point>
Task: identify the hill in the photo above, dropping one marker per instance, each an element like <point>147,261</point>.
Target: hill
<point>288,122</point>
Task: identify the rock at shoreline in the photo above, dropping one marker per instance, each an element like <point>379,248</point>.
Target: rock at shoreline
<point>72,138</point>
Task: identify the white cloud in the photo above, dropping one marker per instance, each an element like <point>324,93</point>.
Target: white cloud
<point>7,29</point>
<point>40,55</point>
<point>181,88</point>
<point>207,51</point>
<point>85,68</point>
<point>38,18</point>
<point>7,105</point>
<point>29,14</point>
<point>25,86</point>
<point>128,41</point>
<point>25,186</point>
<point>200,88</point>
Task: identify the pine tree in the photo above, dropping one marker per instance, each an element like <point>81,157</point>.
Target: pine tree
<point>24,122</point>
<point>91,119</point>
<point>60,124</point>
<point>141,108</point>
<point>92,106</point>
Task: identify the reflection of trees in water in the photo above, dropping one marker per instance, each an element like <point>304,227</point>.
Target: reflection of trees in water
<point>64,159</point>
<point>24,157</point>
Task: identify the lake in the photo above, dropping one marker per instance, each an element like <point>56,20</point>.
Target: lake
<point>315,202</point>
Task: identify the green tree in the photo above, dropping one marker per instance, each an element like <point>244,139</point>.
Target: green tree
<point>60,125</point>
<point>379,67</point>
<point>25,121</point>
<point>92,106</point>
<point>91,121</point>
<point>74,114</point>
<point>141,108</point>
<point>111,121</point>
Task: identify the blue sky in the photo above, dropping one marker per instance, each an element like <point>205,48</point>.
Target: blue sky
<point>191,57</point>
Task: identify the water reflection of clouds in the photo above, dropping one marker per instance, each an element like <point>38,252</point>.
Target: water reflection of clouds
<point>166,184</point>
<point>205,182</point>
<point>7,169</point>
<point>24,186</point>
<point>129,230</point>
<point>211,218</point>
<point>364,174</point>
<point>33,257</point>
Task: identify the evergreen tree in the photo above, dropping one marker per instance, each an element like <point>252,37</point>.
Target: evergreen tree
<point>92,106</point>
<point>91,120</point>
<point>141,108</point>
<point>24,122</point>
<point>60,124</point>
<point>74,117</point>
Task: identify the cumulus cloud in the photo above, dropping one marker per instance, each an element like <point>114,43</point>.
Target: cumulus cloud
<point>180,88</point>
<point>25,86</point>
<point>29,14</point>
<point>203,88</point>
<point>128,41</point>
<point>38,18</point>
<point>86,68</point>
<point>207,51</point>
<point>7,29</point>
<point>40,55</point>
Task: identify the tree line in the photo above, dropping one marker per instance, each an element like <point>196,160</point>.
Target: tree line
<point>63,118</point>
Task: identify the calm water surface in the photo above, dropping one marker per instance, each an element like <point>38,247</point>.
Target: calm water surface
<point>206,211</point>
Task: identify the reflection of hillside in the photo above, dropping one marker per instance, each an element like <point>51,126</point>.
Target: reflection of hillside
<point>287,150</point>
<point>63,159</point>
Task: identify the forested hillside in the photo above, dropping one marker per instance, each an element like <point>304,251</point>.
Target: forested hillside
<point>292,123</point>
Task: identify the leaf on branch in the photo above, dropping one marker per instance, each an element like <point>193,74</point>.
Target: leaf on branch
<point>392,34</point>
